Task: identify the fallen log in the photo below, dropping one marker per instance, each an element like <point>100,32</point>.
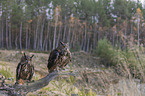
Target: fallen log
<point>22,90</point>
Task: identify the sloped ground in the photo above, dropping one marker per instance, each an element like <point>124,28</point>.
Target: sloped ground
<point>91,75</point>
<point>81,62</point>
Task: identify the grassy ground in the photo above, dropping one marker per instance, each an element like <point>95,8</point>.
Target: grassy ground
<point>92,77</point>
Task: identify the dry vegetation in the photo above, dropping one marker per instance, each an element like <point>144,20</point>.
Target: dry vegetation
<point>92,76</point>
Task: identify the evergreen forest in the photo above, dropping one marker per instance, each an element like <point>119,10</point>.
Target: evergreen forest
<point>41,24</point>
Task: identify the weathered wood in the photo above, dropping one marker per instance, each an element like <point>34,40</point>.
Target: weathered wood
<point>33,86</point>
<point>22,90</point>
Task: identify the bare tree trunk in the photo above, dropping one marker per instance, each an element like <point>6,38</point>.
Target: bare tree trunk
<point>35,37</point>
<point>72,39</point>
<point>113,38</point>
<point>45,39</point>
<point>88,43</point>
<point>76,39</point>
<point>20,38</point>
<point>6,33</point>
<point>16,39</point>
<point>2,40</point>
<point>82,41</point>
<point>64,32</point>
<point>29,37</point>
<point>41,35</point>
<point>0,33</point>
<point>50,44</point>
<point>131,28</point>
<point>49,37</point>
<point>125,33</point>
<point>10,42</point>
<point>38,43</point>
<point>98,35</point>
<point>46,44</point>
<point>121,43</point>
<point>60,28</point>
<point>91,48</point>
<point>13,36</point>
<point>68,37</point>
<point>94,40</point>
<point>138,30</point>
<point>117,37</point>
<point>26,37</point>
<point>54,38</point>
<point>85,37</point>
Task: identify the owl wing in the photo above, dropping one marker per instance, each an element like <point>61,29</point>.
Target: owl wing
<point>53,59</point>
<point>31,72</point>
<point>66,59</point>
<point>18,71</point>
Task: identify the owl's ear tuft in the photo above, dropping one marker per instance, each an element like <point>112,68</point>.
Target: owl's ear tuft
<point>24,54</point>
<point>31,56</point>
<point>61,43</point>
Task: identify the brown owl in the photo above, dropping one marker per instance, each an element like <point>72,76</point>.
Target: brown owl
<point>59,57</point>
<point>25,69</point>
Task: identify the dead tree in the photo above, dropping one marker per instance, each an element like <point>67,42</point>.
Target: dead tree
<point>22,90</point>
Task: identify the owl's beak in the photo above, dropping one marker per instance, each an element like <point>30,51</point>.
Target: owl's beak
<point>28,62</point>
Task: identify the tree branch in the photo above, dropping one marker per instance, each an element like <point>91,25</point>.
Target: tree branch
<point>33,86</point>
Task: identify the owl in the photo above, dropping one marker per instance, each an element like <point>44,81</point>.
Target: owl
<point>59,57</point>
<point>25,69</point>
